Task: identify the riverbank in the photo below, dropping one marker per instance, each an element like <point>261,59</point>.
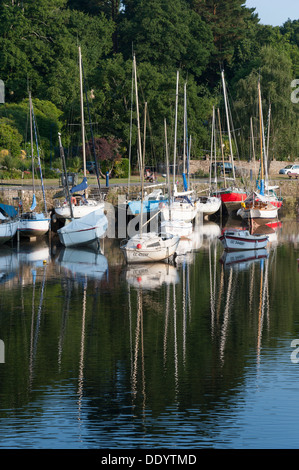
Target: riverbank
<point>13,191</point>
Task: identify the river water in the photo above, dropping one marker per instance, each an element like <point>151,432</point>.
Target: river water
<point>192,355</point>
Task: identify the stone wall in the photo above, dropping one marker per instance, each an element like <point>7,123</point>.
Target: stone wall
<point>203,165</point>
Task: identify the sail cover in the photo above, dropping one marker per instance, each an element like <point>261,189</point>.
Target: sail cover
<point>33,205</point>
<point>81,186</point>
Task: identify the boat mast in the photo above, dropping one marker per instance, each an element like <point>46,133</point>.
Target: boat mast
<point>221,145</point>
<point>261,140</point>
<point>175,128</point>
<point>167,166</point>
<point>31,141</point>
<point>82,116</point>
<point>228,124</point>
<point>139,141</point>
<point>185,124</point>
<point>65,175</point>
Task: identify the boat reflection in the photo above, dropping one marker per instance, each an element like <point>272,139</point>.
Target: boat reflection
<point>151,276</point>
<point>8,264</point>
<point>83,263</point>
<point>243,259</point>
<point>34,253</point>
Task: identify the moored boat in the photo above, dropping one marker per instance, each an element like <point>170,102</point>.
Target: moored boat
<point>243,240</point>
<point>149,247</point>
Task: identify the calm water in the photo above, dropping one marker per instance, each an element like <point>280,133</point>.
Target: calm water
<point>195,355</point>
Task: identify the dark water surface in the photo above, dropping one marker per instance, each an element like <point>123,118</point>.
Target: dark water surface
<point>196,355</point>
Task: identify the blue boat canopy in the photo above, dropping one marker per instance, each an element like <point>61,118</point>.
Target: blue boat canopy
<point>9,210</point>
<point>80,187</point>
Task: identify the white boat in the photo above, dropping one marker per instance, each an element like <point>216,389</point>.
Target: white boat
<point>8,228</point>
<point>34,224</point>
<point>243,240</point>
<point>83,205</point>
<point>208,205</point>
<point>80,208</point>
<point>257,207</point>
<point>177,227</point>
<point>182,207</point>
<point>84,231</point>
<point>149,247</point>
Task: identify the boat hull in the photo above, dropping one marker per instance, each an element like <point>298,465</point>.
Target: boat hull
<point>84,234</point>
<point>8,229</point>
<point>238,241</point>
<point>259,215</point>
<point>208,206</point>
<point>79,211</point>
<point>146,249</point>
<point>33,225</point>
<point>179,211</point>
<point>232,199</point>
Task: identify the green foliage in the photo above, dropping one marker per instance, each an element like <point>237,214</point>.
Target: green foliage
<point>39,51</point>
<point>10,138</point>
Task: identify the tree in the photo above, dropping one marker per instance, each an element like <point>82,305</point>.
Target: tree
<point>274,70</point>
<point>107,152</point>
<point>228,21</point>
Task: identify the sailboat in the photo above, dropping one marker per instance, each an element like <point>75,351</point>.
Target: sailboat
<point>171,224</point>
<point>32,223</point>
<point>209,205</point>
<point>8,228</point>
<point>83,205</point>
<point>257,205</point>
<point>85,230</point>
<point>181,205</point>
<point>231,196</point>
<point>151,246</point>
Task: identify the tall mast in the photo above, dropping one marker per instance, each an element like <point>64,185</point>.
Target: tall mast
<point>175,127</point>
<point>82,114</point>
<point>31,140</point>
<point>221,145</point>
<point>185,124</point>
<point>261,139</point>
<point>139,142</point>
<point>228,124</point>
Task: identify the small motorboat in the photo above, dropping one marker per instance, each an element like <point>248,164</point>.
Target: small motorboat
<point>149,247</point>
<point>243,240</point>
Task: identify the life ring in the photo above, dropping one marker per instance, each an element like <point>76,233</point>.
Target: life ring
<point>73,201</point>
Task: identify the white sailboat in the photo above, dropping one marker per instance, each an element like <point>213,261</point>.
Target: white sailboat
<point>33,223</point>
<point>8,228</point>
<point>209,205</point>
<point>171,224</point>
<point>181,205</point>
<point>146,247</point>
<point>257,205</point>
<point>85,230</point>
<point>84,205</point>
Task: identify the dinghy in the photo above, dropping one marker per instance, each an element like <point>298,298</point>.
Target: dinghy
<point>243,240</point>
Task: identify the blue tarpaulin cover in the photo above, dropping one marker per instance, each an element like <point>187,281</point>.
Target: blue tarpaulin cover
<point>9,210</point>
